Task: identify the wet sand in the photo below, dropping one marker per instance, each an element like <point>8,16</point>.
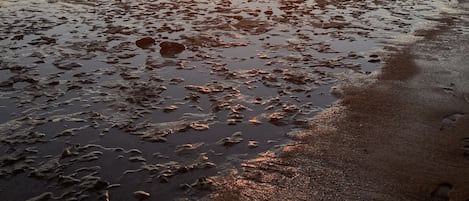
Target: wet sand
<point>400,135</point>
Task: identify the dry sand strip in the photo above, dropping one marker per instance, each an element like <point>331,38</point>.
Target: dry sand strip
<point>404,137</point>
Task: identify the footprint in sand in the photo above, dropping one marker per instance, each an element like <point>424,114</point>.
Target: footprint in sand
<point>441,193</point>
<point>451,119</point>
<point>465,147</point>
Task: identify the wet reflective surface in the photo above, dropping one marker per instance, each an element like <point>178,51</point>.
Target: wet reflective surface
<point>101,100</point>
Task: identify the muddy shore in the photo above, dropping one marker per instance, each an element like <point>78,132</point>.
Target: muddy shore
<point>148,99</point>
<point>402,137</point>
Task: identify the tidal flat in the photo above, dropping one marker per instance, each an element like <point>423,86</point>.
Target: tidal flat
<point>149,99</point>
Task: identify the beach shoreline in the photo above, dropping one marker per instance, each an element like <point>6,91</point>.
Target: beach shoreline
<point>403,137</point>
